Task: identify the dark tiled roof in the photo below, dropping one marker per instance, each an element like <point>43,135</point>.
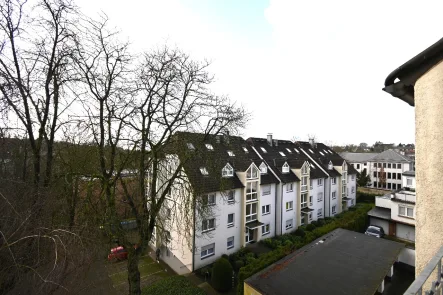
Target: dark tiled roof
<point>391,156</point>
<point>268,178</point>
<point>213,160</point>
<point>345,262</point>
<point>383,213</point>
<point>409,173</point>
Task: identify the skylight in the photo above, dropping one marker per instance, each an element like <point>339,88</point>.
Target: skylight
<point>209,147</point>
<point>245,149</point>
<point>289,151</point>
<point>231,154</point>
<point>311,151</point>
<point>190,146</point>
<point>296,151</point>
<point>263,149</point>
<point>204,171</point>
<point>312,166</point>
<point>321,153</point>
<point>283,154</point>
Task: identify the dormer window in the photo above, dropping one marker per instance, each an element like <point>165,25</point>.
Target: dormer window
<point>285,168</point>
<point>263,149</point>
<point>330,166</point>
<point>345,167</point>
<point>296,150</point>
<point>231,154</point>
<point>263,168</point>
<point>245,149</point>
<point>209,147</point>
<point>289,151</point>
<point>190,146</point>
<point>283,154</point>
<point>252,173</point>
<point>304,169</point>
<point>204,171</point>
<point>227,171</point>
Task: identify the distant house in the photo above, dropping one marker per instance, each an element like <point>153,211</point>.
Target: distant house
<point>341,262</point>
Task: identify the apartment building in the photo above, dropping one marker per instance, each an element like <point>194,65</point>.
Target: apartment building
<point>360,161</point>
<point>234,192</point>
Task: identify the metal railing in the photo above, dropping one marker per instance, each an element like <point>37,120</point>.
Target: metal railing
<point>416,288</point>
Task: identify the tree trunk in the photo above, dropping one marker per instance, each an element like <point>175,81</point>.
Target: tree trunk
<point>133,272</point>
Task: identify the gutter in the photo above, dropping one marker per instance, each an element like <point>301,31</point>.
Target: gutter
<point>411,71</point>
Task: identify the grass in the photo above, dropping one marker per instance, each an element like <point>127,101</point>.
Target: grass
<point>374,191</point>
<point>175,285</point>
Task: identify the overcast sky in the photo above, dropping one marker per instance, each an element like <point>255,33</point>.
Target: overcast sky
<point>300,67</point>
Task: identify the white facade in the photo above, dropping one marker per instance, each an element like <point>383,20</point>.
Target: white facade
<point>317,195</point>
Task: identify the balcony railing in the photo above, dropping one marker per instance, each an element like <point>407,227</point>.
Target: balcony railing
<point>304,188</point>
<point>416,288</point>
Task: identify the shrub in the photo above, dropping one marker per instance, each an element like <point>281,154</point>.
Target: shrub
<point>320,222</point>
<point>174,285</point>
<point>310,227</point>
<point>205,271</point>
<point>222,275</point>
<point>238,264</point>
<point>225,256</point>
<point>299,232</point>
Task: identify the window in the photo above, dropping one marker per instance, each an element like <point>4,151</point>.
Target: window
<point>310,216</point>
<point>251,191</point>
<point>263,149</point>
<point>352,201</point>
<point>333,209</point>
<point>302,220</point>
<point>245,149</point>
<point>209,147</point>
<point>352,176</point>
<point>334,195</point>
<point>285,168</point>
<point>409,181</point>
<point>296,150</point>
<point>319,213</point>
<point>266,190</point>
<point>358,166</point>
<point>375,174</point>
<point>389,165</point>
<point>304,200</point>
<point>266,209</point>
<point>320,197</point>
<point>304,169</point>
<point>289,223</point>
<point>208,199</point>
<point>352,189</point>
<point>251,173</point>
<point>208,250</point>
<point>364,164</point>
<point>190,146</point>
<point>282,154</point>
<point>289,206</point>
<point>320,182</point>
<point>168,213</point>
<point>265,229</point>
<point>227,171</point>
<point>398,166</point>
<point>289,151</point>
<point>310,200</point>
<point>251,212</point>
<point>389,185</point>
<point>289,187</point>
<point>379,165</point>
<point>231,197</point>
<point>208,224</point>
<point>321,153</point>
<point>384,165</point>
<point>389,175</point>
<point>310,183</point>
<point>231,154</point>
<point>204,171</point>
<point>231,220</point>
<point>375,184</point>
<point>263,168</point>
<point>230,243</point>
<point>405,211</point>
<point>312,166</point>
<point>334,180</point>
<point>311,151</point>
<point>375,165</point>
<point>398,175</point>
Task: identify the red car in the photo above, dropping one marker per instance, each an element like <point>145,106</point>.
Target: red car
<point>117,254</point>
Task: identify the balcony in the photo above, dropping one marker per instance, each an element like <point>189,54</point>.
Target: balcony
<point>304,188</point>
<point>417,287</point>
<point>404,197</point>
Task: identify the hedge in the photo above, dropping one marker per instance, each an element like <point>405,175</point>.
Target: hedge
<point>222,275</point>
<point>366,198</point>
<point>355,220</point>
<point>175,285</point>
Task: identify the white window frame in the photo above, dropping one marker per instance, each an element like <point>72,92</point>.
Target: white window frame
<point>304,169</point>
<point>334,180</point>
<point>252,216</point>
<point>265,229</point>
<point>406,211</point>
<point>230,240</point>
<point>251,173</point>
<point>231,224</point>
<point>334,209</point>
<point>352,189</point>
<point>231,197</point>
<point>251,195</point>
<point>206,225</point>
<point>319,213</point>
<point>289,205</point>
<point>263,149</point>
<point>311,200</point>
<point>263,168</point>
<point>289,151</point>
<point>227,171</point>
<point>245,149</point>
<point>207,251</point>
<point>320,197</point>
<point>265,209</point>
<point>310,216</point>
<point>289,187</point>
<point>320,182</point>
<point>204,171</point>
<point>334,195</point>
<point>265,190</point>
<point>408,180</point>
<point>285,168</point>
<point>231,154</point>
<point>289,223</point>
<point>304,200</point>
<point>209,147</point>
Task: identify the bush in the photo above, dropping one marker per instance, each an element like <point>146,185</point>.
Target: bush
<point>225,256</point>
<point>222,275</point>
<point>238,264</point>
<point>320,222</point>
<point>205,271</point>
<point>310,227</point>
<point>299,232</point>
<point>174,285</point>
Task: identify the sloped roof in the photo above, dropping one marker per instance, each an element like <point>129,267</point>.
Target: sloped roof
<point>390,156</point>
<point>357,157</point>
<point>409,173</point>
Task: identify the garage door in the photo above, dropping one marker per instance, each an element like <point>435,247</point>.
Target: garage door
<point>406,232</point>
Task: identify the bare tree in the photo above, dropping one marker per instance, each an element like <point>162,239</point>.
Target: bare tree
<point>35,56</point>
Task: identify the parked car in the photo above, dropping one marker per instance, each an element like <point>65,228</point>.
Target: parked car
<point>117,254</point>
<point>376,231</point>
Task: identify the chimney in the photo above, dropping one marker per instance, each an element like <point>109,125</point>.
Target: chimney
<point>275,142</point>
<point>226,137</point>
<point>311,141</point>
<point>270,139</point>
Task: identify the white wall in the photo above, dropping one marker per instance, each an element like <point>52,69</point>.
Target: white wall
<point>268,218</point>
<point>222,232</point>
<point>380,222</point>
<point>333,202</point>
<point>405,182</point>
<point>288,197</point>
<point>407,256</point>
<point>395,216</point>
<point>406,232</point>
<point>352,183</point>
<point>383,202</point>
<point>316,205</point>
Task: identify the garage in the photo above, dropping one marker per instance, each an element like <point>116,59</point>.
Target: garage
<point>406,232</point>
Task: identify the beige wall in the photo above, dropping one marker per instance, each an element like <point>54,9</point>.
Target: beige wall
<point>429,164</point>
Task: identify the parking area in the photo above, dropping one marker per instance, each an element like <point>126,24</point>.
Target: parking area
<point>150,271</point>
